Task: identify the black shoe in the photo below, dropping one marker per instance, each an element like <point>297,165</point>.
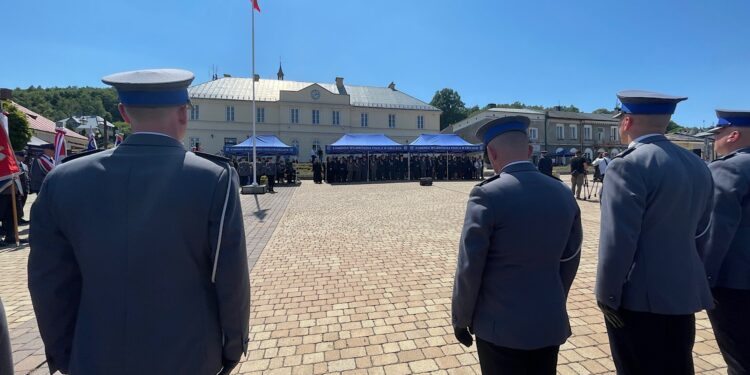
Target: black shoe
<point>23,222</point>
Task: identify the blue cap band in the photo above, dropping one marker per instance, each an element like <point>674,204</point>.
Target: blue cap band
<point>649,108</point>
<point>154,98</point>
<point>734,121</point>
<point>493,132</point>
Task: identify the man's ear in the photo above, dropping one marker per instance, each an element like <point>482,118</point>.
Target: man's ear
<point>734,136</point>
<point>123,113</point>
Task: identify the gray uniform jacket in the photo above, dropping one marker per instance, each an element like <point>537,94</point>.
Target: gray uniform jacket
<point>655,203</point>
<point>6,358</point>
<point>124,244</point>
<point>511,283</point>
<point>726,246</point>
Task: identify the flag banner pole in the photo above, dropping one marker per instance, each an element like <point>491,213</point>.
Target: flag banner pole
<point>15,209</point>
<point>254,114</point>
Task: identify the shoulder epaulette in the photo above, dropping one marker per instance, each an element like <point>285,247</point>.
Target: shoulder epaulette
<point>493,178</point>
<point>80,155</point>
<point>214,158</point>
<point>624,153</point>
<point>555,177</point>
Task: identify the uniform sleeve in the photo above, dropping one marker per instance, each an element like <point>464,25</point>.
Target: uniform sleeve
<point>472,254</point>
<point>730,187</point>
<point>230,272</point>
<point>54,280</point>
<point>572,255</point>
<point>622,209</point>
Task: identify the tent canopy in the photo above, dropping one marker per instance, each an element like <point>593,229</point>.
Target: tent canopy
<point>434,143</point>
<point>365,143</point>
<point>266,145</point>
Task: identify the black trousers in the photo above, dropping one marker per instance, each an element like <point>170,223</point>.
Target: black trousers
<point>732,328</point>
<point>653,343</point>
<point>271,180</point>
<point>495,359</point>
<point>6,217</point>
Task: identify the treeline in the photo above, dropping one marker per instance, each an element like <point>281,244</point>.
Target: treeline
<point>59,103</point>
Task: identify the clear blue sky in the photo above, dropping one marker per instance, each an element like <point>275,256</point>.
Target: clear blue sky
<point>536,51</point>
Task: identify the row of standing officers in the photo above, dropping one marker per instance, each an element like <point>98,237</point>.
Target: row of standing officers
<point>674,240</point>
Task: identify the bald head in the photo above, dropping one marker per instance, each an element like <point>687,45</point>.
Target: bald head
<point>507,148</point>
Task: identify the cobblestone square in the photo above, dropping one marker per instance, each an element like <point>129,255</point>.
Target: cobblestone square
<point>357,280</point>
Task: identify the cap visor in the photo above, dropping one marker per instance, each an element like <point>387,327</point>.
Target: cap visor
<point>715,130</point>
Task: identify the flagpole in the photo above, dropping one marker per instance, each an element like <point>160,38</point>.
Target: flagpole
<point>254,114</point>
<point>15,209</point>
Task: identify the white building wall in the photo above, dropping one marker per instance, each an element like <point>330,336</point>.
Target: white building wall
<point>211,127</point>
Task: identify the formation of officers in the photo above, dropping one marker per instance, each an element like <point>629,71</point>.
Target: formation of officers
<point>175,298</point>
<point>674,240</point>
<point>399,168</point>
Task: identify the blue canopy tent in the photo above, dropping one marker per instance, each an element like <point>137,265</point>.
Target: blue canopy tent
<point>266,145</point>
<point>442,143</point>
<point>365,144</point>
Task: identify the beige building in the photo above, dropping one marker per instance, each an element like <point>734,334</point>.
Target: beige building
<point>302,114</point>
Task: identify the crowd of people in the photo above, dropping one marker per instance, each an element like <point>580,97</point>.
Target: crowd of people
<point>275,169</point>
<point>361,168</point>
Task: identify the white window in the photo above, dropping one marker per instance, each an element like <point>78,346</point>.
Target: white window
<point>363,120</point>
<point>600,135</point>
<point>533,134</point>
<point>573,131</point>
<point>587,132</point>
<point>614,134</point>
<point>420,122</point>
<point>194,142</point>
<point>336,118</point>
<point>260,115</point>
<point>195,112</point>
<point>315,116</point>
<point>316,145</point>
<point>230,141</point>
<point>294,114</point>
<point>295,144</point>
<point>560,131</point>
<point>230,113</point>
<point>391,121</point>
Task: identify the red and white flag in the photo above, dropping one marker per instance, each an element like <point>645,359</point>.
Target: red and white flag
<point>8,166</point>
<point>255,5</point>
<point>60,152</point>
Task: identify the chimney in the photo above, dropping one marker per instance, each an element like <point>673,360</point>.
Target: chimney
<point>340,85</point>
<point>6,94</point>
<point>392,86</point>
<point>257,77</point>
<point>227,75</point>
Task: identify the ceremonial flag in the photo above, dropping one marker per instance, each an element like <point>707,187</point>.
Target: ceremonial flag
<point>118,139</point>
<point>255,5</point>
<point>92,143</point>
<point>60,149</point>
<point>4,121</point>
<point>8,166</point>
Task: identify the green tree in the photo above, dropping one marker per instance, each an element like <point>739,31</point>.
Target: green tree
<point>603,111</point>
<point>123,128</point>
<point>18,127</point>
<point>673,127</point>
<point>449,101</point>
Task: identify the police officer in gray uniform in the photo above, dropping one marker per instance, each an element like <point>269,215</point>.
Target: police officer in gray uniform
<point>726,246</point>
<point>511,284</point>
<point>650,278</point>
<point>154,281</point>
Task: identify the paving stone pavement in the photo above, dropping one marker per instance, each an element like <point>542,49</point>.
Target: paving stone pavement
<point>357,280</point>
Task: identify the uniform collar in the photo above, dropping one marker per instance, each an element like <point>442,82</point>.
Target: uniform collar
<point>151,139</point>
<point>517,166</point>
<point>745,150</point>
<point>648,138</point>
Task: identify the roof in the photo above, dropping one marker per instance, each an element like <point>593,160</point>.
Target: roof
<point>684,137</point>
<point>582,116</point>
<point>516,110</point>
<point>43,124</point>
<point>86,122</point>
<point>267,90</point>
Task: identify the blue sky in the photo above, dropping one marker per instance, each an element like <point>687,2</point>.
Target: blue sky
<point>536,51</point>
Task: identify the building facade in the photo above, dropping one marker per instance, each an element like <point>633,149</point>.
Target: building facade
<point>559,133</point>
<point>305,115</point>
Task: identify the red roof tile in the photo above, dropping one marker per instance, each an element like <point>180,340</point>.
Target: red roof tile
<point>41,123</point>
